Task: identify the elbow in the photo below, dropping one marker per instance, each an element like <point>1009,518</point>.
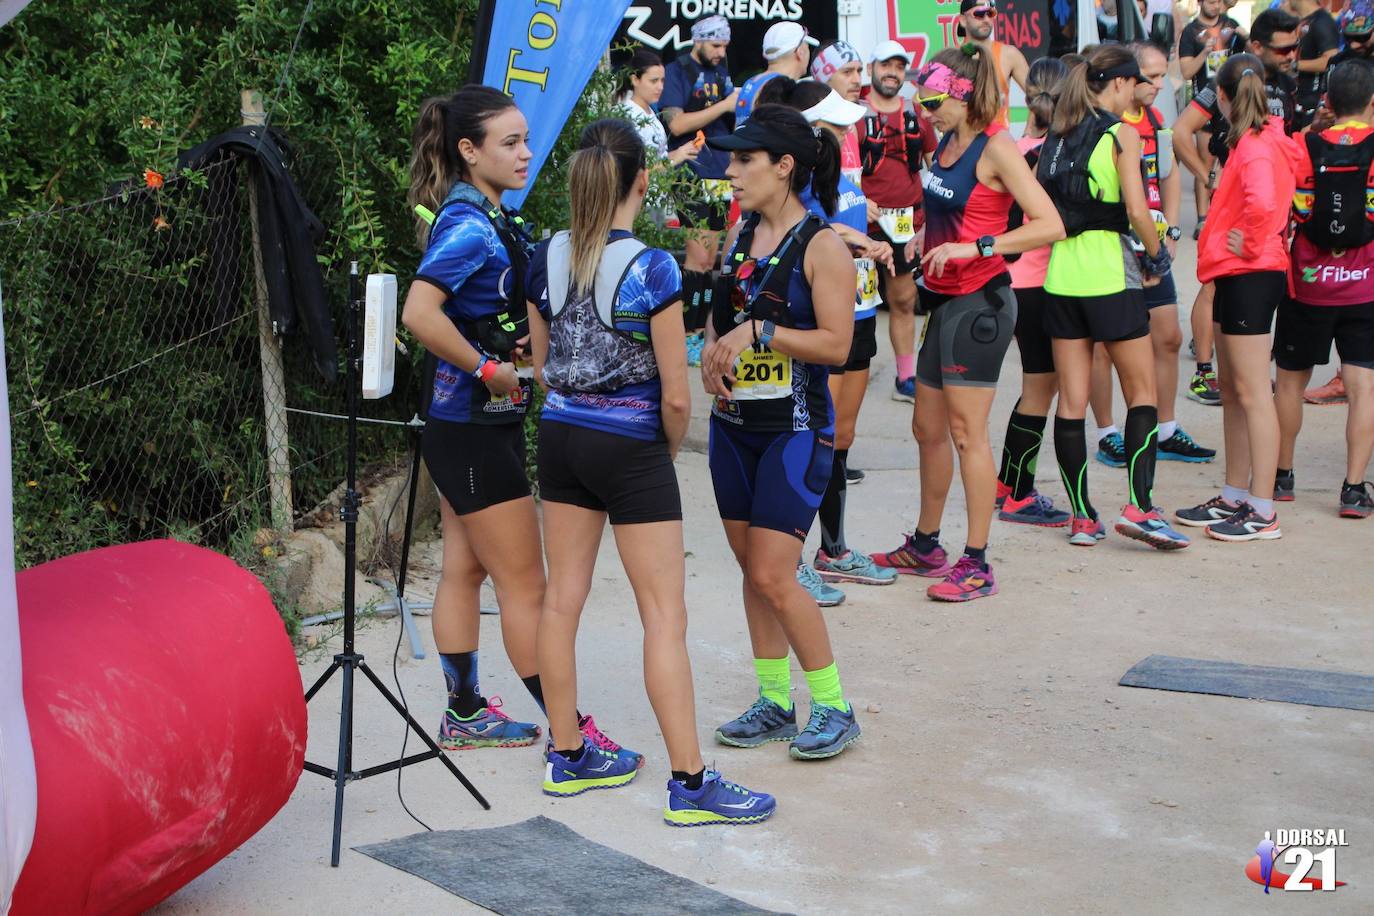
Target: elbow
<point>838,354</point>
<point>677,404</point>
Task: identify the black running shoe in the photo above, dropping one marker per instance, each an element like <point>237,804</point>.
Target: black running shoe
<point>1111,450</point>
<point>853,476</point>
<point>1356,501</point>
<point>1283,488</point>
<point>1181,447</point>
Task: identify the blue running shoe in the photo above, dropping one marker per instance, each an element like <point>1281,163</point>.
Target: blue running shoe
<point>828,733</point>
<point>598,738</point>
<point>824,595</point>
<point>1111,450</point>
<point>718,801</point>
<point>597,769</point>
<point>904,389</point>
<point>488,727</point>
<point>761,723</point>
<point>1035,509</point>
<point>853,567</point>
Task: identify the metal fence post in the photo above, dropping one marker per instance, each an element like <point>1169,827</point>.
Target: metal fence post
<point>269,348</point>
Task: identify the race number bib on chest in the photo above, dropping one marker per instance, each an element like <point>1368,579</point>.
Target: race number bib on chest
<point>898,224</point>
<point>762,375</point>
<point>868,284</point>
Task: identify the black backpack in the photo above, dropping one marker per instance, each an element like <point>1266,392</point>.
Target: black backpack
<point>769,302</point>
<point>1063,171</point>
<point>1338,200</point>
<point>1016,216</point>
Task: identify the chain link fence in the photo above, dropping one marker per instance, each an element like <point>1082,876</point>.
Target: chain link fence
<point>143,396</point>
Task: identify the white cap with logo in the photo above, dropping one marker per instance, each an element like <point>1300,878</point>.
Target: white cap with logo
<point>887,50</point>
<point>784,38</point>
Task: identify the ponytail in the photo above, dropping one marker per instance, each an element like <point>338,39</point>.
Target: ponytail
<point>1240,78</point>
<point>1043,82</point>
<point>1078,95</point>
<point>825,176</point>
<point>610,155</point>
<point>434,162</point>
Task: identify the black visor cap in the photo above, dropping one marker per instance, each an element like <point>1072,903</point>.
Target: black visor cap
<point>754,135</point>
<point>1129,70</point>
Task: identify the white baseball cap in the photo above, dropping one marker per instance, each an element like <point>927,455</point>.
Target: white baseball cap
<point>784,38</point>
<point>835,109</point>
<point>886,50</point>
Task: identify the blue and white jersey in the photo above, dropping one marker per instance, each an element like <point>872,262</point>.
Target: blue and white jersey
<point>606,377</point>
<point>852,211</point>
<point>467,261</point>
<point>744,105</point>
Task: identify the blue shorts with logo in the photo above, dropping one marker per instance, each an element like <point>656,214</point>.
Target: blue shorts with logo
<point>770,480</point>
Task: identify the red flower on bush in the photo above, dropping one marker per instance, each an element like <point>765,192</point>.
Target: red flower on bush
<point>152,179</point>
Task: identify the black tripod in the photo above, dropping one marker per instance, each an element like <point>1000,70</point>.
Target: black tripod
<point>349,660</point>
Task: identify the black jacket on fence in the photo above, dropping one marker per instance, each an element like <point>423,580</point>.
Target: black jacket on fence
<point>287,230</point>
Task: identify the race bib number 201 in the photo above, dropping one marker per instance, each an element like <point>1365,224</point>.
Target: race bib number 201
<point>762,375</point>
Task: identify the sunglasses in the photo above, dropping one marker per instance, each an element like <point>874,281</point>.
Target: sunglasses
<point>983,14</point>
<point>1283,50</point>
<point>932,102</point>
<point>1357,39</point>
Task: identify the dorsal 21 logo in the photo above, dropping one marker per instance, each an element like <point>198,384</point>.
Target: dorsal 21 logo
<point>1301,848</point>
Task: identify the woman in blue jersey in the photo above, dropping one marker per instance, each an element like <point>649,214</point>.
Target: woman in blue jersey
<point>606,326</point>
<point>467,308</point>
<point>790,315</point>
<point>835,561</point>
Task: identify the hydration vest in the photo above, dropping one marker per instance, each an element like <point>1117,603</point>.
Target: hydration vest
<point>498,333</point>
<point>1016,217</point>
<point>1063,171</point>
<point>617,259</point>
<point>770,300</point>
<point>874,146</point>
<point>1338,219</point>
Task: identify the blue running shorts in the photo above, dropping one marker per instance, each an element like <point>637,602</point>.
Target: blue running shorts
<point>770,480</point>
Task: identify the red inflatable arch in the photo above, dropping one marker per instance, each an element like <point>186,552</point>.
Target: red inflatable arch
<point>168,724</point>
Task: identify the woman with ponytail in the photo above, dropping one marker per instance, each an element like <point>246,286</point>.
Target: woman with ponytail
<point>467,295</point>
<point>1094,286</point>
<point>606,326</point>
<point>1017,499</point>
<point>1244,249</point>
<point>975,177</point>
<point>789,317</point>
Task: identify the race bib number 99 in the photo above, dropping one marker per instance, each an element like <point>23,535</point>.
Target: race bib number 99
<point>762,375</point>
<point>898,224</point>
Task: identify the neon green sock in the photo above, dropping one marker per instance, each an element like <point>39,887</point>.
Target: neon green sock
<point>825,687</point>
<point>775,680</point>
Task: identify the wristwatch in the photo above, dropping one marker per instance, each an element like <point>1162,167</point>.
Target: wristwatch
<point>1174,233</point>
<point>766,333</point>
<point>985,244</point>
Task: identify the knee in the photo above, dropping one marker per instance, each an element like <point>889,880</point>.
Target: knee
<point>929,434</point>
<point>665,623</point>
<point>771,582</point>
<point>1169,340</point>
<point>465,576</point>
<point>967,437</point>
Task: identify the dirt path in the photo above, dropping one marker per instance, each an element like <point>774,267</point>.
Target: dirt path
<point>1005,770</point>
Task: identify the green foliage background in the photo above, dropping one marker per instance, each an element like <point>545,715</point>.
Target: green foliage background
<point>91,95</point>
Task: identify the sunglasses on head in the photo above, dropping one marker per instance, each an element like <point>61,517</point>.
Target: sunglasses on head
<point>983,14</point>
<point>932,102</point>
<point>1283,50</point>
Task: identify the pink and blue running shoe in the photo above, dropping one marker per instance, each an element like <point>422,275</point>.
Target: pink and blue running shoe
<point>718,801</point>
<point>1034,509</point>
<point>488,727</point>
<point>909,560</point>
<point>597,769</point>
<point>1149,528</point>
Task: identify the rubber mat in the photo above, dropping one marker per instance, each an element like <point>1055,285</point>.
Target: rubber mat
<point>1304,686</point>
<point>547,869</point>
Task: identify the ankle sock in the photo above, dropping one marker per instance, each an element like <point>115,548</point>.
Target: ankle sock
<point>775,680</point>
<point>460,676</point>
<point>1265,507</point>
<point>1167,428</point>
<point>575,755</point>
<point>1234,495</point>
<point>1106,431</point>
<point>925,543</point>
<point>1203,368</point>
<point>977,553</point>
<point>824,684</point>
<point>692,781</point>
<point>1284,472</point>
<point>906,365</point>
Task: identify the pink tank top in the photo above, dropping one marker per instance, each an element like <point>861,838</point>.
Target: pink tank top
<point>1028,271</point>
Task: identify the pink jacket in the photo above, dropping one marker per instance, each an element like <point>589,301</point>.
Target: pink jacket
<point>1254,196</point>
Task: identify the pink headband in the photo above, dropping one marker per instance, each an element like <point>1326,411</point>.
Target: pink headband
<point>937,76</point>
